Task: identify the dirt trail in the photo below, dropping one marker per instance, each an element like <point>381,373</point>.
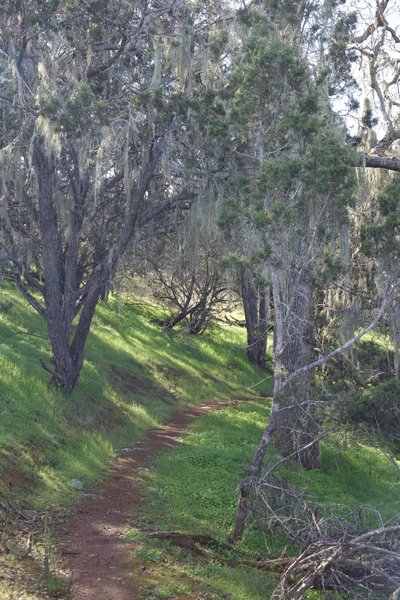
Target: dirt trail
<point>96,555</point>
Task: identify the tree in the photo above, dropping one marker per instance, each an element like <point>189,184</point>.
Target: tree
<point>292,420</point>
<point>255,298</point>
<point>188,281</point>
<point>94,98</point>
<point>290,186</point>
<point>370,36</point>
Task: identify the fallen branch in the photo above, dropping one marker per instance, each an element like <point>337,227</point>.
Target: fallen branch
<point>195,542</point>
<point>337,554</point>
<point>7,505</point>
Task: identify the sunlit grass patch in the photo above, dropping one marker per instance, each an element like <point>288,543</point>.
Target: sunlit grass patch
<point>192,489</point>
<point>352,474</point>
<point>134,377</point>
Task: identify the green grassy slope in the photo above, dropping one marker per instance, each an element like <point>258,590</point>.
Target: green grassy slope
<point>133,378</point>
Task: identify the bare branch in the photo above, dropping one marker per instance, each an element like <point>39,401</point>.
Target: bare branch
<point>100,68</point>
<point>380,21</point>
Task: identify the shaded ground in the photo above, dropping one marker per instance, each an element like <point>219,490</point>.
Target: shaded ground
<point>98,558</point>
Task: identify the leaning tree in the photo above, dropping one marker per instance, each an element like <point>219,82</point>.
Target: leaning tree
<point>95,101</point>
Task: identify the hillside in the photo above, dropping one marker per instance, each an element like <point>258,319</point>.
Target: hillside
<point>133,379</point>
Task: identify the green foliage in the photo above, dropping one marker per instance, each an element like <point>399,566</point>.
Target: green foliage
<point>218,43</point>
<point>228,218</point>
<point>279,175</point>
<point>366,392</point>
<point>262,219</point>
<point>368,363</point>
<point>329,168</point>
<point>374,355</point>
<point>83,111</point>
<point>368,120</point>
<point>376,408</point>
<point>341,56</point>
<point>234,261</point>
<point>331,267</point>
<point>303,118</point>
<point>293,173</point>
<point>383,237</point>
<point>84,71</point>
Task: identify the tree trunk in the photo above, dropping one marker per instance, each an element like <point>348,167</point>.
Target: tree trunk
<point>291,425</point>
<point>247,484</point>
<point>295,424</point>
<point>255,306</point>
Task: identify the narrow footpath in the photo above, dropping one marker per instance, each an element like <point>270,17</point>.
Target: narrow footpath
<point>97,558</point>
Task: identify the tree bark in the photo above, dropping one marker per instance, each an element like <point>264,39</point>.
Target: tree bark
<point>255,305</point>
<point>57,326</point>
<point>378,162</point>
<point>295,424</point>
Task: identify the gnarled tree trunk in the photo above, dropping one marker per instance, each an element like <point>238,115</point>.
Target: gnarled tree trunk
<point>291,422</point>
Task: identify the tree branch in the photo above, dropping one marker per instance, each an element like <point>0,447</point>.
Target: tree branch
<point>324,359</point>
<point>378,162</point>
<point>380,21</point>
<point>99,69</point>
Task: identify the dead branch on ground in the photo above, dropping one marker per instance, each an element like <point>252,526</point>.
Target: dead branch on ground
<point>339,551</point>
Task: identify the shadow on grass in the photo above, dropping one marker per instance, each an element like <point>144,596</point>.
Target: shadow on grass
<point>133,379</point>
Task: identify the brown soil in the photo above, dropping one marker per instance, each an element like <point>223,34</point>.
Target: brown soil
<point>97,557</point>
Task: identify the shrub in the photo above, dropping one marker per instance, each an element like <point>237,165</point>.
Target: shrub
<point>377,408</point>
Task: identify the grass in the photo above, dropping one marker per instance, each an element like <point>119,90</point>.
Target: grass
<point>353,474</point>
<point>201,475</point>
<point>133,379</point>
<point>192,489</point>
